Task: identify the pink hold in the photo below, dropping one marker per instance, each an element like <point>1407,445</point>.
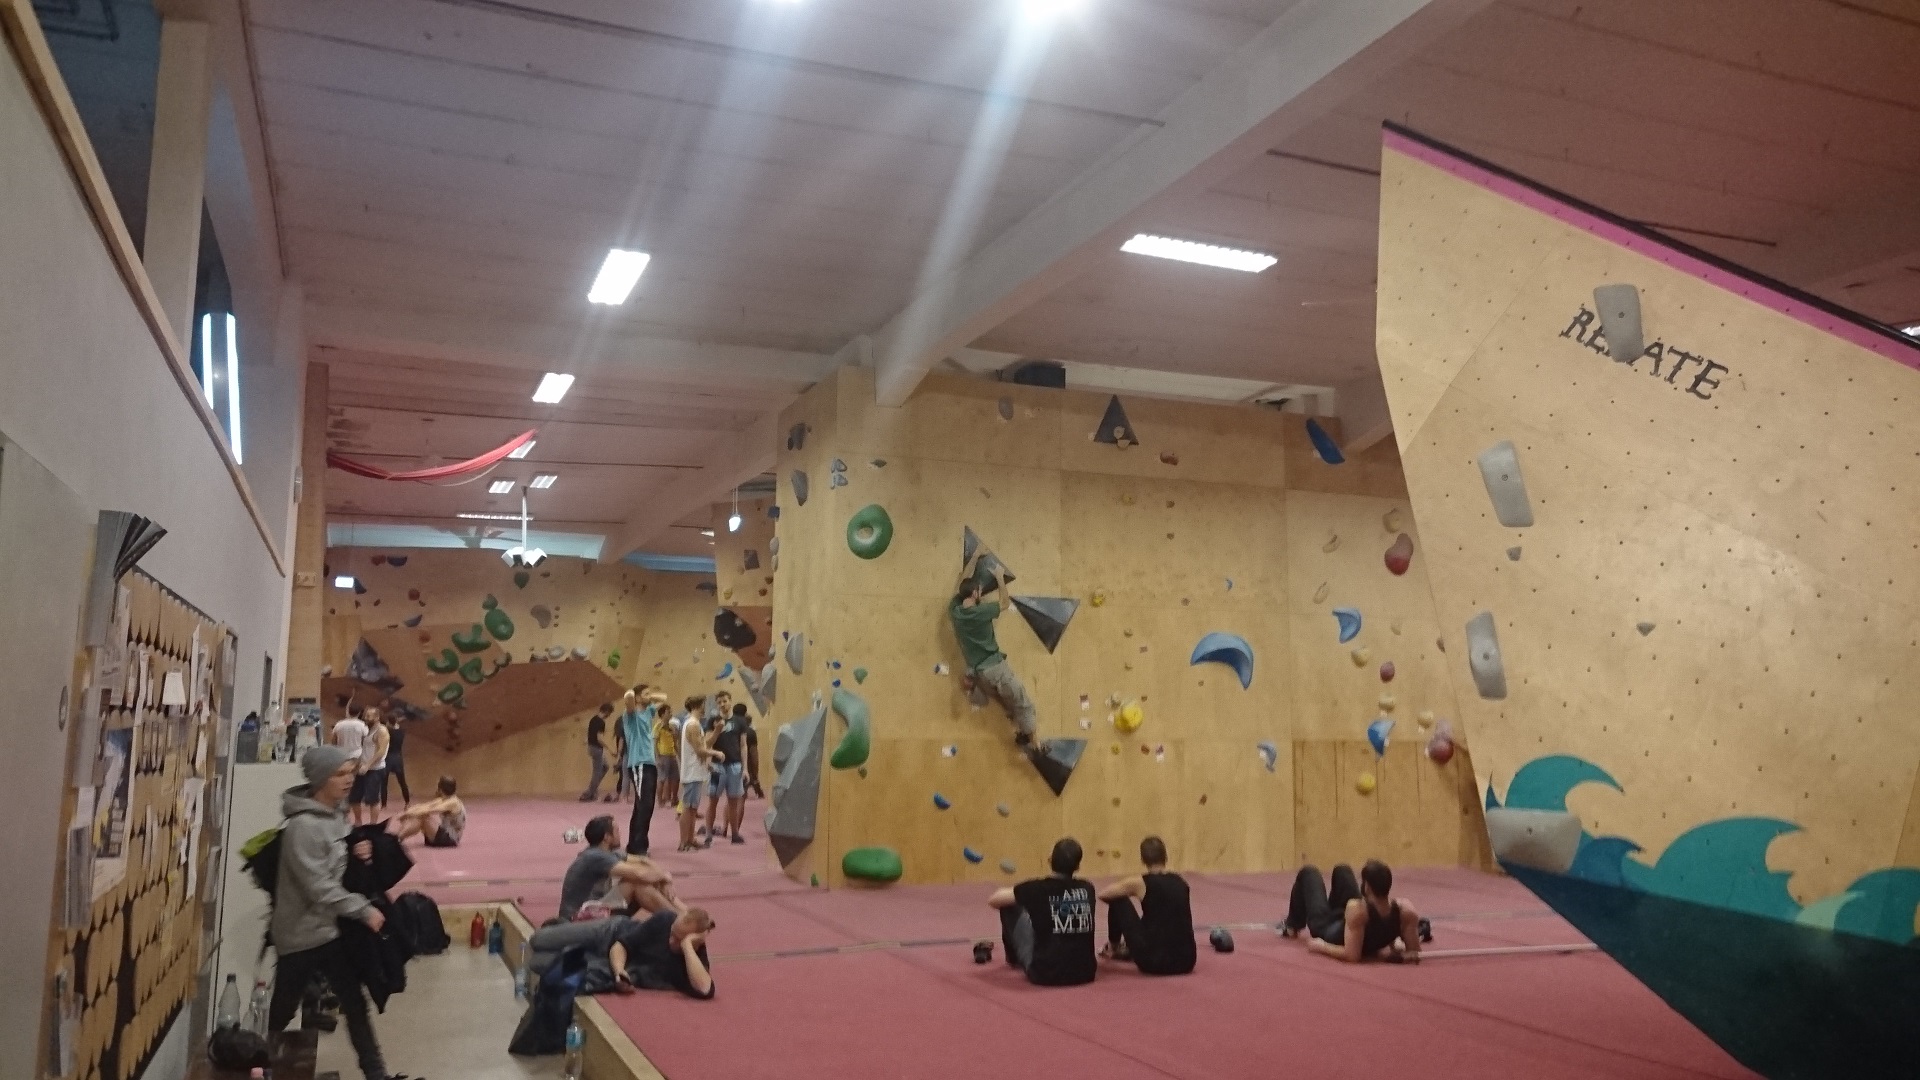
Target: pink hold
<point>1386,671</point>
<point>1400,555</point>
<point>1440,749</point>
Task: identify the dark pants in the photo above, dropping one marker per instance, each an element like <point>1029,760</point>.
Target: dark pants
<point>1313,907</point>
<point>396,770</point>
<point>599,757</point>
<point>1016,936</point>
<point>291,974</point>
<point>644,786</point>
<point>1124,926</point>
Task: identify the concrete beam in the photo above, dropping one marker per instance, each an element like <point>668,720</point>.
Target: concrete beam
<point>1290,74</point>
<point>176,178</point>
<point>748,454</point>
<point>532,347</point>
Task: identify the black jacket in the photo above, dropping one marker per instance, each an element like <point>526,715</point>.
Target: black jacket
<point>378,959</point>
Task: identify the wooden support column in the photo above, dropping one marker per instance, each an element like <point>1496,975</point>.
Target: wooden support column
<point>176,180</point>
<point>304,637</point>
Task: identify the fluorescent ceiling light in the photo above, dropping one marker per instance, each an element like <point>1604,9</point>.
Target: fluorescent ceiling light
<point>618,275</point>
<point>344,581</point>
<point>489,517</point>
<point>733,523</point>
<point>543,480</point>
<point>553,387</point>
<point>1226,258</point>
<point>499,487</point>
<point>1047,9</point>
<point>206,357</point>
<point>1911,331</point>
<point>708,533</point>
<point>523,449</point>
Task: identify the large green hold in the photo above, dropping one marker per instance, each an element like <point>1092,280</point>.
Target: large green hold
<point>857,743</point>
<point>474,640</point>
<point>869,531</point>
<point>499,624</point>
<point>872,864</point>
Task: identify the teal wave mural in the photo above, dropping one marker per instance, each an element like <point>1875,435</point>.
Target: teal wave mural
<point>1720,863</point>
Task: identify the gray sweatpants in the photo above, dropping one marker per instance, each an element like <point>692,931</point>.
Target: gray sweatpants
<point>999,680</point>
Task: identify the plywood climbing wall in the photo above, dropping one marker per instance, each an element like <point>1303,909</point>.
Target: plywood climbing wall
<point>598,630</point>
<point>1214,521</point>
<point>744,565</point>
<point>1708,632</point>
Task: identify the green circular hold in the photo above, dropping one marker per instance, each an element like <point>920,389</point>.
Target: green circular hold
<point>452,692</point>
<point>872,864</point>
<point>499,624</point>
<point>472,672</point>
<point>869,531</point>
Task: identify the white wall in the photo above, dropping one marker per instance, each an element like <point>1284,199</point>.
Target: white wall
<point>85,392</point>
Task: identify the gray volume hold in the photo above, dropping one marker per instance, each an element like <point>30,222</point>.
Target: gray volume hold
<point>1619,307</point>
<point>1500,468</point>
<point>1483,656</point>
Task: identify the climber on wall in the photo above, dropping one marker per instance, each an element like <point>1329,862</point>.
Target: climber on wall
<point>987,666</point>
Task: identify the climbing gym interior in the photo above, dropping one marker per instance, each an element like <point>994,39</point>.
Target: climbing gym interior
<point>1150,538</point>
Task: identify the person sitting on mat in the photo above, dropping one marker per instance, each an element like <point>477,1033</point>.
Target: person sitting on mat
<point>664,951</point>
<point>1046,925</point>
<point>440,822</point>
<point>1353,922</point>
<point>600,881</point>
<point>1159,937</point>
<point>987,667</point>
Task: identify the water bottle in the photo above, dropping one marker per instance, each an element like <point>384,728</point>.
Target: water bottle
<point>226,1013</point>
<point>576,1039</point>
<point>257,1007</point>
<point>496,938</point>
<point>523,977</point>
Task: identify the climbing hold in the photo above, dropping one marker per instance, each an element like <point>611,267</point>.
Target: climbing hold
<point>413,620</point>
<point>731,631</point>
<point>836,480</point>
<point>798,479</point>
<point>499,625</point>
<point>579,652</point>
<point>795,798</point>
<point>1006,867</point>
<point>1229,584</point>
<point>1506,487</point>
<point>872,864</point>
<point>1269,754</point>
<point>1619,308</point>
<point>1229,649</point>
<point>940,802</point>
<point>862,770</point>
<point>413,594</point>
<point>1645,628</point>
<point>444,664</point>
<point>858,741</point>
<point>1320,594</point>
<point>452,692</point>
<point>1129,718</point>
<point>1440,749</point>
<point>559,652</point>
<point>1483,657</point>
<point>1386,671</point>
<point>878,463</point>
<point>1048,616</point>
<point>472,673</point>
<point>834,664</point>
<point>1377,734</point>
<point>1394,626</point>
<point>396,560</point>
<point>989,563</point>
<point>1127,632</point>
<point>1333,541</point>
<point>474,640</point>
<point>613,659</point>
<point>838,465</point>
<point>542,615</point>
<point>950,750</point>
<point>939,669</point>
<point>1126,499</point>
<point>1097,599</point>
<point>1400,555</point>
<point>1220,939</point>
<point>1391,520</point>
<point>1168,457</point>
<point>1323,443</point>
<point>1350,622</point>
<point>1440,643</point>
<point>1361,655</point>
<point>1055,760</point>
<point>726,670</point>
<point>859,674</point>
<point>749,560</point>
<point>1115,428</point>
<point>971,855</point>
<point>797,654</point>
<point>1006,408</point>
<point>1513,554</point>
<point>1425,718</point>
<point>1365,783</point>
<point>1387,702</point>
<point>869,531</point>
<point>1539,839</point>
<point>1003,810</point>
<point>797,437</point>
<point>1115,748</point>
<point>521,578</point>
<point>489,603</point>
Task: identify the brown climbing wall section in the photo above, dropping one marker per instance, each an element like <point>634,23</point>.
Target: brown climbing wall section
<point>1745,487</point>
<point>1158,554</point>
<point>523,730</point>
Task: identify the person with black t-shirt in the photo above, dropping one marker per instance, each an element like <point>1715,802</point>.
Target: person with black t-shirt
<point>729,773</point>
<point>597,751</point>
<point>1159,937</point>
<point>664,951</point>
<point>1046,925</point>
<point>1353,922</point>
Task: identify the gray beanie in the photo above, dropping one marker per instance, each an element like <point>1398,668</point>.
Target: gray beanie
<point>321,762</point>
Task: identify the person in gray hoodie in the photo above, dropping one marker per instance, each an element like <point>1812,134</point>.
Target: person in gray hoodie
<point>309,899</point>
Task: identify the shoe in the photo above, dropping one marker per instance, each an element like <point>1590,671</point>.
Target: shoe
<point>684,847</point>
<point>708,844</point>
<point>1288,931</point>
<point>1426,930</point>
<point>738,839</point>
<point>1023,738</point>
<point>586,798</point>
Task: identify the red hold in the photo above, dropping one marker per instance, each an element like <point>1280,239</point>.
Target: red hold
<point>1386,671</point>
<point>1400,555</point>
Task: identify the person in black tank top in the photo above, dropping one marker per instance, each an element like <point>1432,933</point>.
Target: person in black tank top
<point>1159,937</point>
<point>1354,921</point>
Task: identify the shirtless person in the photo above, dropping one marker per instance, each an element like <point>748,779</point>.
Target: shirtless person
<point>1353,922</point>
<point>1159,937</point>
<point>440,822</point>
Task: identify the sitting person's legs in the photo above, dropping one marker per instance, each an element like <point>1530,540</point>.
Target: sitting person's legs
<point>1309,905</point>
<point>1125,939</point>
<point>1016,936</point>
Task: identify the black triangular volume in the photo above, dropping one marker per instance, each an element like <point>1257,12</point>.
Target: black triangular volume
<point>1115,428</point>
<point>787,848</point>
<point>969,543</point>
<point>1047,615</point>
<point>1055,760</point>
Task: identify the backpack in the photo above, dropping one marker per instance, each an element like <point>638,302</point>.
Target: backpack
<point>261,856</point>
<point>543,1027</point>
<point>420,917</point>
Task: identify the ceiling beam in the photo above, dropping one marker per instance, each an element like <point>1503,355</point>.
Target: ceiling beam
<point>743,457</point>
<point>536,348</point>
<point>1293,72</point>
<point>1836,250</point>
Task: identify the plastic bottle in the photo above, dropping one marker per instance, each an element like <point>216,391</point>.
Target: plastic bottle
<point>522,976</point>
<point>576,1039</point>
<point>256,1073</point>
<point>226,1012</point>
<point>496,938</point>
<point>257,1007</point>
<point>477,931</point>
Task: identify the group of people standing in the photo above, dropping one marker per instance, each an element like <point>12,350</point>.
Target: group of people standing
<point>707,750</point>
<point>376,747</point>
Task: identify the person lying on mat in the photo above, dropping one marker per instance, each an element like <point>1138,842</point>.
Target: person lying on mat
<point>1159,937</point>
<point>1046,925</point>
<point>1353,922</point>
<point>664,951</point>
<point>600,881</point>
<point>440,821</point>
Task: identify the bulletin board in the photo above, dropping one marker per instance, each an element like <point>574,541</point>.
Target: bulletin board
<point>144,809</point>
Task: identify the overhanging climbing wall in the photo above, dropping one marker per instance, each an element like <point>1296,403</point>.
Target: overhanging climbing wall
<point>1706,633</point>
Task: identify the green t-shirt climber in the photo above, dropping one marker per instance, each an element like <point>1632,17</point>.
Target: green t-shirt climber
<point>987,667</point>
